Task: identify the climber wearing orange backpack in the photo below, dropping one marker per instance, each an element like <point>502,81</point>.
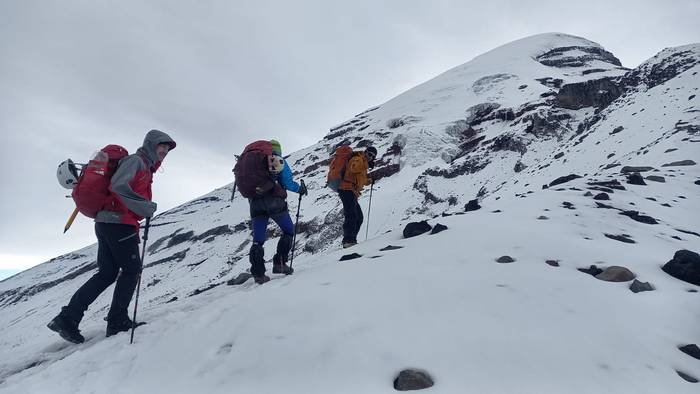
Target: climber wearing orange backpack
<point>117,197</point>
<point>348,175</point>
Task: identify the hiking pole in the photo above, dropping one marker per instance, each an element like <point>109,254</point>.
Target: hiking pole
<point>138,286</point>
<point>70,220</point>
<point>369,209</point>
<point>294,239</point>
<point>233,191</point>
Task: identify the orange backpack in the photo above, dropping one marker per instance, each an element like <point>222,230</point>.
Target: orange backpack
<point>336,169</point>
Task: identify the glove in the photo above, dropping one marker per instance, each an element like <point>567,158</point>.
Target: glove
<point>303,191</point>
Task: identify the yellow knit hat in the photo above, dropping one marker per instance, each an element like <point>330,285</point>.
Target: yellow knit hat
<point>276,147</point>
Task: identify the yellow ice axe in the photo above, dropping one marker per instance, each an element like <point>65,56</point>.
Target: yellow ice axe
<point>70,220</point>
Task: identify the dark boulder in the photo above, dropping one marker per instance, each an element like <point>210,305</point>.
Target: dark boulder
<point>680,163</point>
<point>412,379</point>
<point>622,238</point>
<point>685,266</point>
<point>416,228</point>
<point>438,228</point>
<point>601,196</point>
<point>553,263</point>
<point>629,169</point>
<point>505,259</point>
<point>592,270</point>
<point>687,377</point>
<point>656,178</point>
<point>638,287</point>
<point>617,130</point>
<point>614,184</point>
<point>634,215</point>
<point>635,179</point>
<point>564,179</point>
<point>472,205</point>
<point>616,274</point>
<point>692,350</point>
<point>390,247</point>
<point>350,256</point>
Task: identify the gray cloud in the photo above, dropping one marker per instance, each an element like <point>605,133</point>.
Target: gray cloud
<point>77,75</point>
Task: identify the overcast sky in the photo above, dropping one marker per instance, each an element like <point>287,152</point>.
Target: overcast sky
<point>215,75</point>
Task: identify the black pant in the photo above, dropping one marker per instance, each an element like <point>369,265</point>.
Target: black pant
<point>117,248</point>
<point>353,215</point>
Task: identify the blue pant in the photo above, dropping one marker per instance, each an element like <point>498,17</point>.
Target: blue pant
<point>261,211</point>
<point>260,226</point>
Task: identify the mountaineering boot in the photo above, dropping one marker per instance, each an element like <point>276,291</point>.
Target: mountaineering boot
<point>279,266</point>
<point>125,324</point>
<point>67,328</point>
<point>261,279</point>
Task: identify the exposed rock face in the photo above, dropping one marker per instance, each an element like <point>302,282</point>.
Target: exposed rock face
<point>657,73</point>
<point>572,57</point>
<point>509,142</point>
<point>480,113</point>
<point>593,93</point>
<point>551,123</point>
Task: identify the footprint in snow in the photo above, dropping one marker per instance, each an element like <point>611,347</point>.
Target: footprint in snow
<point>224,349</point>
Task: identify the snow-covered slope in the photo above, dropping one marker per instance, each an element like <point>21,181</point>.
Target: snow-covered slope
<point>498,128</point>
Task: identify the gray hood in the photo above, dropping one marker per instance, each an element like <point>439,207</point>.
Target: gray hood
<point>153,138</point>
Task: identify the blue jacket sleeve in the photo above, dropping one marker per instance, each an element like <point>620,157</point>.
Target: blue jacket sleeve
<point>287,180</point>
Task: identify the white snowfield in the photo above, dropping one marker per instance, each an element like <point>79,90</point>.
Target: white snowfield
<point>441,303</point>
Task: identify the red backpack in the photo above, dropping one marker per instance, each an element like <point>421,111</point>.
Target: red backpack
<point>336,168</point>
<point>92,189</point>
<point>252,171</point>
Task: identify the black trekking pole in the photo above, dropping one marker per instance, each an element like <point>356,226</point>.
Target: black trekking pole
<point>294,239</point>
<point>138,286</point>
<point>369,209</point>
<point>233,191</point>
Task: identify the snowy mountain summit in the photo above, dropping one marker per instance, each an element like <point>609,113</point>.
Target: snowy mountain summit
<point>568,186</point>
